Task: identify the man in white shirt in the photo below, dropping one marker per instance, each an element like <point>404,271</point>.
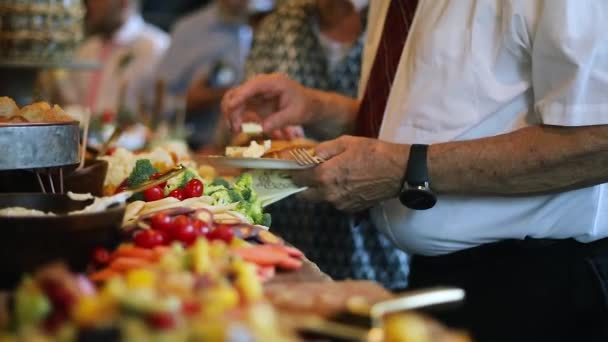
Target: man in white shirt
<point>510,97</point>
<point>128,50</point>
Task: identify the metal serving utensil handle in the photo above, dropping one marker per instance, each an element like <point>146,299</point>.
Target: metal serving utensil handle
<point>106,145</point>
<point>177,170</point>
<point>416,300</point>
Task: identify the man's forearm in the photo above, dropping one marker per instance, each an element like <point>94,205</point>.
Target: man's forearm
<point>333,114</point>
<point>532,160</point>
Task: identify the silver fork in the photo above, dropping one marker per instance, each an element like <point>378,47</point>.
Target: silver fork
<point>304,158</point>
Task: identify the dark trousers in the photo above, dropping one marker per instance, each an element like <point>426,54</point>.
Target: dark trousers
<point>530,290</point>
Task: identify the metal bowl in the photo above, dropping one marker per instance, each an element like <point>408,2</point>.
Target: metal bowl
<point>30,242</point>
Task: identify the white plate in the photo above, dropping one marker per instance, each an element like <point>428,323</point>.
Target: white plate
<point>257,163</point>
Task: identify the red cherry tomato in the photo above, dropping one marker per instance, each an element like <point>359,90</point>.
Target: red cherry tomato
<point>186,233</point>
<point>183,229</point>
<point>162,320</point>
<point>148,238</point>
<point>201,227</point>
<point>156,175</point>
<point>194,188</point>
<point>179,221</point>
<point>162,222</point>
<point>101,256</point>
<point>108,116</point>
<point>154,193</point>
<point>178,193</point>
<point>222,232</point>
<point>167,238</point>
<point>111,150</point>
<point>190,308</point>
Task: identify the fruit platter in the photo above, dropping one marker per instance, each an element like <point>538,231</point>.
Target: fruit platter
<point>193,259</point>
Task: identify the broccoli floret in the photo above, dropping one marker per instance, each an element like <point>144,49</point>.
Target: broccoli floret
<point>244,181</point>
<point>222,197</point>
<point>235,196</point>
<point>266,220</point>
<point>211,189</point>
<point>244,184</point>
<point>141,172</point>
<point>253,210</point>
<point>220,182</point>
<point>181,180</point>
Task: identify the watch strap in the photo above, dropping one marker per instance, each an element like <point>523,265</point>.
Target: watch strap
<point>416,172</point>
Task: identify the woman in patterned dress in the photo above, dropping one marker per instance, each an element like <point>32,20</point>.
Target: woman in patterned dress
<point>319,43</point>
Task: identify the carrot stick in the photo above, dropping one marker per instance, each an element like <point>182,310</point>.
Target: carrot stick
<point>124,264</point>
<point>134,252</point>
<point>260,256</point>
<point>103,275</point>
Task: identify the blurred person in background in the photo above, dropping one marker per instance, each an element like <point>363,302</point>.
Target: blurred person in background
<point>128,50</point>
<point>206,57</point>
<point>319,43</point>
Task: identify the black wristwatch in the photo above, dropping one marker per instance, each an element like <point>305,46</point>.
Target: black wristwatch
<point>415,192</point>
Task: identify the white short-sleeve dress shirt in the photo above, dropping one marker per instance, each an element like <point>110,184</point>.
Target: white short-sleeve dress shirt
<point>479,68</point>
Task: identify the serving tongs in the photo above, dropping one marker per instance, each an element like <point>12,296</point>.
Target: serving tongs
<point>375,314</point>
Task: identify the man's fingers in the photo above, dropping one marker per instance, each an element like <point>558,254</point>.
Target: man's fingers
<point>329,149</point>
<point>304,177</point>
<point>293,132</point>
<point>262,85</point>
<point>232,116</point>
<point>312,195</point>
<point>278,134</point>
<point>235,101</point>
<point>278,120</point>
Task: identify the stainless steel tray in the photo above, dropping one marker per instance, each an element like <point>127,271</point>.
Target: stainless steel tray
<point>39,145</point>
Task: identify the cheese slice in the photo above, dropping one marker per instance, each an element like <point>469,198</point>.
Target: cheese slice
<point>252,128</point>
<point>254,150</point>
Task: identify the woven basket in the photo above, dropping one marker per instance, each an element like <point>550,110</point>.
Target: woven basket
<point>40,30</point>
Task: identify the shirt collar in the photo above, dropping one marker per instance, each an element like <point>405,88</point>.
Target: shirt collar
<point>129,31</point>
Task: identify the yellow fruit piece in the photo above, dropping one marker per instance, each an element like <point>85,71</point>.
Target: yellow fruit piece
<point>406,328</point>
<point>218,249</point>
<point>90,310</point>
<point>114,288</point>
<point>238,243</point>
<point>263,321</point>
<point>247,281</point>
<point>201,261</point>
<point>220,299</point>
<point>209,331</point>
<point>141,278</point>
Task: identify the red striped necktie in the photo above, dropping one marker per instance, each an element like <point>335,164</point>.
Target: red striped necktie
<point>394,34</point>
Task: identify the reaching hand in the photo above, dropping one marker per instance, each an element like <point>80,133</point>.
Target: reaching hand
<point>274,100</point>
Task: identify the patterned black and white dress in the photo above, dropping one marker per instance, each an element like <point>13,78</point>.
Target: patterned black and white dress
<point>288,42</point>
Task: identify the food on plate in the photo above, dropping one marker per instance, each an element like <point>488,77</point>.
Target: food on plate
<point>37,112</point>
<point>281,148</point>
<point>20,211</point>
<point>254,150</point>
<point>276,149</point>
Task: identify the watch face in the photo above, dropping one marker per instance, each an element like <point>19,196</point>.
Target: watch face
<point>419,199</point>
